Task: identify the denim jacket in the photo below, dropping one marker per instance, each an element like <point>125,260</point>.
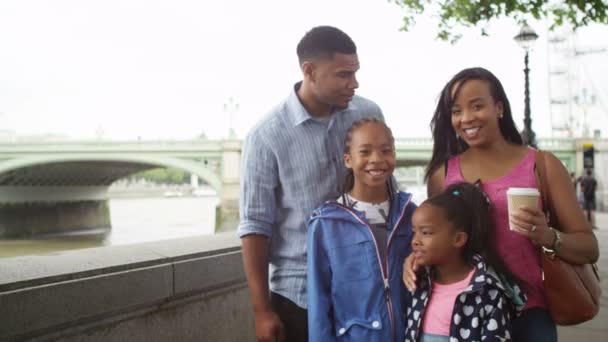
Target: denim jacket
<point>352,294</point>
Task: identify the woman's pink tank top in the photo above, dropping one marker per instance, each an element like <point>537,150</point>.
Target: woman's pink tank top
<point>518,253</point>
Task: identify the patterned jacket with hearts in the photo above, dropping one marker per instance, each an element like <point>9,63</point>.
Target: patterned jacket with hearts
<point>483,311</point>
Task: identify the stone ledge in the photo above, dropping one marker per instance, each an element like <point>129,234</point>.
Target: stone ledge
<point>219,315</point>
<point>41,307</point>
<point>34,270</point>
<point>41,295</point>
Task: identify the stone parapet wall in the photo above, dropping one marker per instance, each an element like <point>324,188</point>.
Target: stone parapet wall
<point>189,289</point>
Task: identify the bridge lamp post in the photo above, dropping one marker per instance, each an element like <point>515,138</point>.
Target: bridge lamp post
<point>526,38</point>
<point>230,107</point>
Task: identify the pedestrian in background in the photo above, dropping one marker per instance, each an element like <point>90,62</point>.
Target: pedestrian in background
<point>575,184</point>
<point>574,181</point>
<point>588,187</point>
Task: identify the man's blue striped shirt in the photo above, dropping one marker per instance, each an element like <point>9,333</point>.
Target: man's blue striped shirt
<point>292,163</point>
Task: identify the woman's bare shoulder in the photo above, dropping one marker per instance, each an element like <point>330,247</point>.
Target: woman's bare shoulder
<point>435,182</point>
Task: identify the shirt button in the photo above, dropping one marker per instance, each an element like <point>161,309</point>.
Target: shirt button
<point>341,331</point>
<point>375,324</point>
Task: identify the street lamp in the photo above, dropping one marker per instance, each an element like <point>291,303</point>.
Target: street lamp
<point>525,38</point>
<point>230,107</point>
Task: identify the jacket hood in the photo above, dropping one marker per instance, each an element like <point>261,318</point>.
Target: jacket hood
<point>333,210</point>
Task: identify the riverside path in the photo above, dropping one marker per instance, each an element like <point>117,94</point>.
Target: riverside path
<point>595,330</point>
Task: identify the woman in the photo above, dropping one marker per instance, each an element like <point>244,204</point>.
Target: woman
<point>476,141</point>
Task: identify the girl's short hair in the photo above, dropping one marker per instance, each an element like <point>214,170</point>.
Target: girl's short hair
<point>467,207</point>
<point>445,140</point>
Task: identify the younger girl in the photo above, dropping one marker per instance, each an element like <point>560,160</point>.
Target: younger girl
<point>463,293</point>
<point>357,244</point>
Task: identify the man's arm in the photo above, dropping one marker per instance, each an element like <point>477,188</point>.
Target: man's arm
<point>255,263</point>
<point>268,326</point>
<point>257,210</point>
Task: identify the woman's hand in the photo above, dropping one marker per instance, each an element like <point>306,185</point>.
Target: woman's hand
<point>532,223</point>
<point>409,272</point>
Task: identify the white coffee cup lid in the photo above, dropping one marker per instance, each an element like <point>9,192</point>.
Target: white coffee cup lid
<point>523,191</point>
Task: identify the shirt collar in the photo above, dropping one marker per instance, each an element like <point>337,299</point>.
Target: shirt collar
<point>298,114</point>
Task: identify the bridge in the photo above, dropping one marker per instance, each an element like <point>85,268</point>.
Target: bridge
<point>45,187</point>
<point>66,182</point>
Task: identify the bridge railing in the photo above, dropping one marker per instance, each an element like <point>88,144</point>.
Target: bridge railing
<point>400,142</point>
<point>108,145</point>
<point>413,143</point>
<point>551,144</point>
<point>554,144</point>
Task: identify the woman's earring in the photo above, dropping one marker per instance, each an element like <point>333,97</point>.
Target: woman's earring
<point>500,115</point>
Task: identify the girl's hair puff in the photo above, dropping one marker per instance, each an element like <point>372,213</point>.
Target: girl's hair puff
<point>349,181</point>
<point>467,207</point>
<point>445,140</point>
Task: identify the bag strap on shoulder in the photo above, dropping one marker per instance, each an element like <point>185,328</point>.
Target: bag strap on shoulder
<point>541,179</point>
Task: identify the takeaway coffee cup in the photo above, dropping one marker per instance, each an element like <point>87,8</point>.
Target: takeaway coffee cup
<point>517,197</point>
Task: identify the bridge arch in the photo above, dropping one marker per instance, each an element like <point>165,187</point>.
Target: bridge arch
<point>131,164</point>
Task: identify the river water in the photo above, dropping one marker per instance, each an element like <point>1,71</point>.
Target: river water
<point>134,220</point>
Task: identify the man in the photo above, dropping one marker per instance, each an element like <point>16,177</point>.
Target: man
<point>588,186</point>
<point>292,163</point>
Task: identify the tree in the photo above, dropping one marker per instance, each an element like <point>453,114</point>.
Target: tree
<point>470,13</point>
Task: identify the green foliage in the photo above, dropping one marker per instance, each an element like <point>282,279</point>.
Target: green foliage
<point>164,176</point>
<point>470,13</point>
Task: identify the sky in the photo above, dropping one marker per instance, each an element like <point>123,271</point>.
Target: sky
<point>172,70</point>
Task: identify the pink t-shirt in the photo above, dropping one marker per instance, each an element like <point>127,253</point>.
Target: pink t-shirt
<point>438,312</point>
<point>518,253</point>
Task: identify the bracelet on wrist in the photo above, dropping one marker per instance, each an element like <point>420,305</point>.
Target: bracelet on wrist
<point>556,246</point>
